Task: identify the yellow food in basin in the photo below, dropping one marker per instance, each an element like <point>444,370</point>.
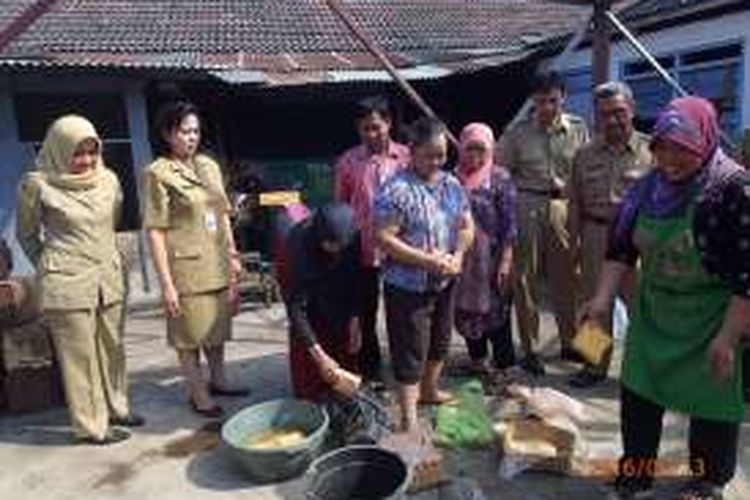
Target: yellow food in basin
<point>275,438</point>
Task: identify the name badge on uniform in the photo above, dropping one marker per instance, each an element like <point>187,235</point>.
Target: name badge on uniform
<point>210,221</point>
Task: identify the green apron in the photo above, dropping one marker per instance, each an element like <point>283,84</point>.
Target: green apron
<point>679,309</point>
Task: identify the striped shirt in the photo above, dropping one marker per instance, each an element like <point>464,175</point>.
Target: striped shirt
<point>359,175</point>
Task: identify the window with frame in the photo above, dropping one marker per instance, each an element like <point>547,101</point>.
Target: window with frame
<point>108,112</point>
<point>579,100</point>
<point>713,73</point>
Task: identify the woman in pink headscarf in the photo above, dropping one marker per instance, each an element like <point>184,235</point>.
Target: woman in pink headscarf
<point>687,225</point>
<point>483,299</point>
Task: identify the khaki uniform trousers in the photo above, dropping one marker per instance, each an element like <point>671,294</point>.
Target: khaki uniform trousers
<point>593,252</point>
<point>594,237</point>
<point>543,249</point>
<point>91,353</point>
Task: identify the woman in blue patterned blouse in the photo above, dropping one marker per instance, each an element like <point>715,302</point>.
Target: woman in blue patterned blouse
<point>424,228</point>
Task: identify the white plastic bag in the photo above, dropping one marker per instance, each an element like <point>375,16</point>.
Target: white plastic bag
<point>620,320</point>
<point>548,403</point>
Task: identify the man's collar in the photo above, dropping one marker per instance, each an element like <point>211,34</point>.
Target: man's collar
<point>390,150</point>
<point>631,145</point>
<point>560,124</point>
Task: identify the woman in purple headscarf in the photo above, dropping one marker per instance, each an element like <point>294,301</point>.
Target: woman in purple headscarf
<point>688,225</point>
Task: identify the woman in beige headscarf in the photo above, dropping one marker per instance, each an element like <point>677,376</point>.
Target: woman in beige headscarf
<point>68,209</point>
<point>186,215</point>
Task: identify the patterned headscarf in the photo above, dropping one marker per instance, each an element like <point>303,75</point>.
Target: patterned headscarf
<point>690,122</point>
<point>472,134</point>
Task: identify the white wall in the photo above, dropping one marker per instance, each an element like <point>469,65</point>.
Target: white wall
<point>726,29</point>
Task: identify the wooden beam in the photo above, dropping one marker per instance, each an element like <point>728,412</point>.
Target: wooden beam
<point>601,45</point>
<point>379,54</point>
<point>22,21</point>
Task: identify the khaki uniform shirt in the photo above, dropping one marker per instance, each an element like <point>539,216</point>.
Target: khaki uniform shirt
<point>602,174</point>
<point>69,234</point>
<point>539,159</point>
<point>189,204</point>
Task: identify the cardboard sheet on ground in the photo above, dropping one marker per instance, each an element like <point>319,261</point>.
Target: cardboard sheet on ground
<point>545,437</point>
<point>532,444</point>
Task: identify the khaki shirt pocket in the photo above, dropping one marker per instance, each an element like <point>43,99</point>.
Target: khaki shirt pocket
<point>192,271</point>
<point>68,281</point>
<point>199,270</point>
<point>65,264</point>
<point>595,187</point>
<point>187,254</point>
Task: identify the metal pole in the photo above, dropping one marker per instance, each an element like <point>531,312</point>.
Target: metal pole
<point>601,49</point>
<point>372,47</point>
<point>643,52</point>
<point>638,46</point>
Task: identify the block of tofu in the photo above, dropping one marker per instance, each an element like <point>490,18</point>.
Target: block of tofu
<point>592,342</point>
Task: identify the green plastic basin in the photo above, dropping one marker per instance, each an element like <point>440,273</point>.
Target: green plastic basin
<point>278,464</point>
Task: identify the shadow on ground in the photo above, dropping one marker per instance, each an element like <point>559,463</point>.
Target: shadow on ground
<point>158,395</point>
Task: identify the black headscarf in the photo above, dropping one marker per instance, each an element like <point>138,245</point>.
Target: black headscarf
<point>328,282</point>
<point>334,223</point>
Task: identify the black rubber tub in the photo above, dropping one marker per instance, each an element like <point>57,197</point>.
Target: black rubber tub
<point>359,472</point>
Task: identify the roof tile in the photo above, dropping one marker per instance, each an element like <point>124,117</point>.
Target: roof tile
<point>286,35</point>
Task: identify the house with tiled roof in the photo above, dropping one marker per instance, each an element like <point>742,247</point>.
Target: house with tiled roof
<point>704,44</point>
<point>277,41</point>
<point>276,78</point>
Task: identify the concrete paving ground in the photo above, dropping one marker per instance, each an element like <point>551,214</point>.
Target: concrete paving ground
<point>175,455</point>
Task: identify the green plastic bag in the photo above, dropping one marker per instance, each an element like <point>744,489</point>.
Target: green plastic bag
<point>465,423</point>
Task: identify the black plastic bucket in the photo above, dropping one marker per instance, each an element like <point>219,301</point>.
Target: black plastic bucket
<point>357,473</point>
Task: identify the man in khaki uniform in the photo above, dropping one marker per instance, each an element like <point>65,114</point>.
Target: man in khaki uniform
<point>602,172</point>
<point>68,208</point>
<point>539,152</point>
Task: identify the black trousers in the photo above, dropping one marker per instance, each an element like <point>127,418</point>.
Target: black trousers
<point>712,444</point>
<point>419,329</point>
<point>501,340</point>
<point>370,359</point>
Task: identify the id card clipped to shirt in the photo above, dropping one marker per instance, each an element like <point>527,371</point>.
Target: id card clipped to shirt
<point>210,221</point>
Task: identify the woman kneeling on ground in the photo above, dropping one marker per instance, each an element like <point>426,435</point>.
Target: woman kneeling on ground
<point>318,268</point>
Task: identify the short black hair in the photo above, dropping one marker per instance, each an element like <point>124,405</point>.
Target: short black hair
<point>372,105</point>
<point>425,130</point>
<point>169,117</point>
<point>547,81</point>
